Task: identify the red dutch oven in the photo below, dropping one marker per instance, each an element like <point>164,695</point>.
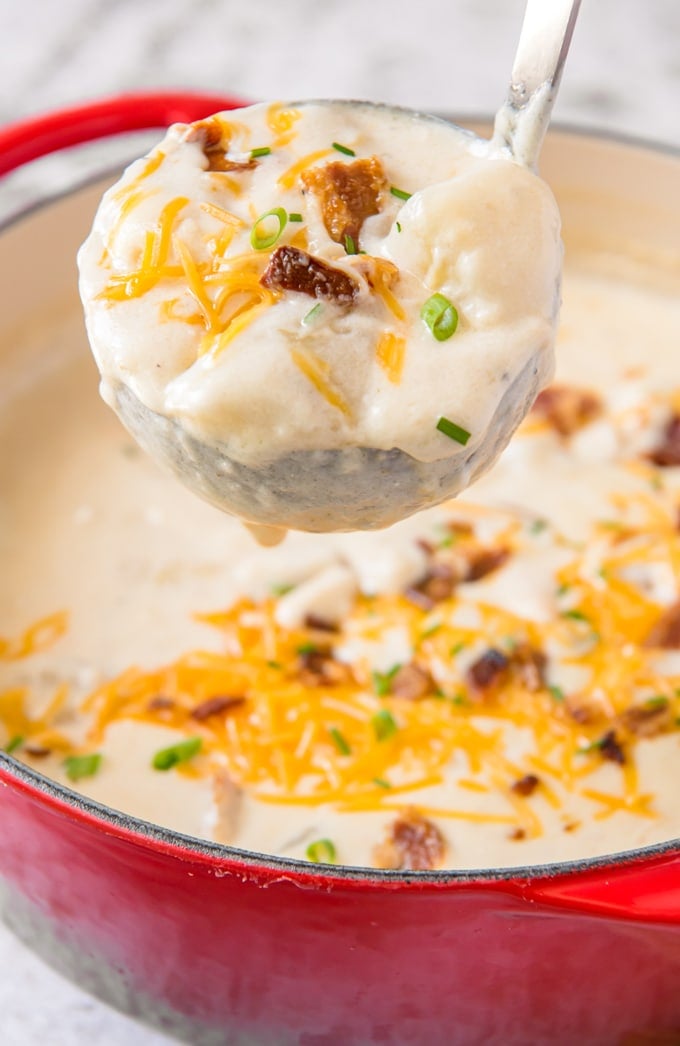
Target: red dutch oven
<point>218,946</point>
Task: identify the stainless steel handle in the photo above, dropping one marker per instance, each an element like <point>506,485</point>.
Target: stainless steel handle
<point>543,45</point>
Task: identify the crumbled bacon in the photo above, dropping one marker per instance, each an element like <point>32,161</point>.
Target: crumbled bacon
<point>517,833</point>
<point>666,632</point>
<point>320,624</point>
<point>216,705</point>
<point>483,561</point>
<point>526,785</point>
<point>412,842</point>
<point>488,670</point>
<point>647,720</point>
<point>530,665</point>
<point>411,682</point>
<point>291,269</point>
<point>667,453</point>
<point>437,584</point>
<point>208,133</point>
<point>37,751</point>
<point>611,749</point>
<point>348,193</point>
<point>319,668</point>
<point>567,408</point>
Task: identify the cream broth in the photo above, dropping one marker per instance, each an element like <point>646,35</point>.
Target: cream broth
<point>322,255</point>
<point>579,530</point>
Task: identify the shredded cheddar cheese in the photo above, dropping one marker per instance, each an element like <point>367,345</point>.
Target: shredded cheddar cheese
<point>318,372</point>
<point>390,353</point>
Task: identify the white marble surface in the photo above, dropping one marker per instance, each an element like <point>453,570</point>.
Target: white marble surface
<point>443,55</point>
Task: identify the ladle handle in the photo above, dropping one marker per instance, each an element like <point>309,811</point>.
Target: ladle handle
<point>543,45</point>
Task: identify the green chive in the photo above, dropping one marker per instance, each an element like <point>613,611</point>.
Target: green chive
<point>399,193</point>
<point>260,242</point>
<point>381,782</point>
<point>430,629</point>
<point>78,766</point>
<point>166,758</point>
<point>658,701</point>
<point>314,311</point>
<point>339,741</point>
<point>459,699</point>
<point>307,648</point>
<point>557,692</point>
<point>398,224</point>
<point>343,149</point>
<point>456,648</point>
<point>350,245</point>
<point>263,150</point>
<point>440,316</point>
<point>295,216</point>
<point>576,615</point>
<point>538,526</point>
<point>453,431</point>
<point>282,588</point>
<point>382,681</point>
<point>321,852</point>
<point>384,725</point>
<point>274,664</point>
<point>14,743</point>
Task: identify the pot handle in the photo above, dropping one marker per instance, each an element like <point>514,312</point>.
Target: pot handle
<point>37,136</point>
<point>646,889</point>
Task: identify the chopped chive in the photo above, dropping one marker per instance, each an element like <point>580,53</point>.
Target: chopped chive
<point>576,615</point>
<point>343,149</point>
<point>440,316</point>
<point>294,216</point>
<point>384,725</point>
<point>77,766</point>
<point>453,431</point>
<point>556,691</point>
<point>381,782</point>
<point>382,681</point>
<point>456,648</point>
<point>657,701</point>
<point>322,851</point>
<point>350,245</point>
<point>282,588</point>
<point>538,526</point>
<point>431,629</point>
<point>398,224</point>
<point>166,758</point>
<point>399,193</point>
<point>459,699</point>
<point>274,664</point>
<point>262,150</point>
<point>339,741</point>
<point>314,311</point>
<point>307,648</point>
<point>14,743</point>
<point>260,242</point>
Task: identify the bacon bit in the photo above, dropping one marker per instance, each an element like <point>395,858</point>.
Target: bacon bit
<point>647,720</point>
<point>611,749</point>
<point>412,682</point>
<point>37,751</point>
<point>483,561</point>
<point>438,584</point>
<point>291,269</point>
<point>571,826</point>
<point>488,671</point>
<point>320,624</point>
<point>666,632</point>
<point>348,193</point>
<point>517,833</point>
<point>567,408</point>
<point>319,668</point>
<point>412,843</point>
<point>215,705</point>
<point>530,665</point>
<point>581,713</point>
<point>208,133</point>
<point>227,799</point>
<point>160,704</point>
<point>668,451</point>
<point>526,785</point>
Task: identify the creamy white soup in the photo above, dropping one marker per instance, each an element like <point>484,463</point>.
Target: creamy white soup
<point>280,281</point>
<point>492,683</point>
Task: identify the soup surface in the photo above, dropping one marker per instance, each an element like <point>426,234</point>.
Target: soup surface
<point>492,683</point>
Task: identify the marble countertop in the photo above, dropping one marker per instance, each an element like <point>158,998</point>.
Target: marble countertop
<point>623,75</point>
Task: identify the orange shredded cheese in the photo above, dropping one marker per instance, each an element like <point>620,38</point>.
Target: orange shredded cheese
<point>281,122</point>
<point>390,352</point>
<point>317,371</point>
<point>288,179</point>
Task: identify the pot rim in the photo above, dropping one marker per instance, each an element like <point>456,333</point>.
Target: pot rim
<point>56,129</point>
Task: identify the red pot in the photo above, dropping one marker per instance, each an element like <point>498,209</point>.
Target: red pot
<point>224,947</point>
